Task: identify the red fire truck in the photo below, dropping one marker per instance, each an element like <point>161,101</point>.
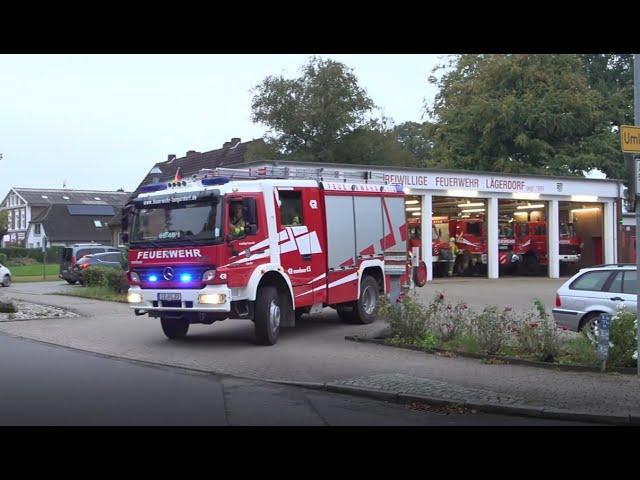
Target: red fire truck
<point>441,254</point>
<point>266,244</point>
<point>522,246</point>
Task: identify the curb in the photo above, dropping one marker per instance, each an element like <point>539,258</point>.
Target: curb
<point>512,410</point>
<point>502,359</point>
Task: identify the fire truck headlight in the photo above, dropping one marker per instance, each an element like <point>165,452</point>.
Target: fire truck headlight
<point>212,298</point>
<point>209,275</point>
<point>134,298</point>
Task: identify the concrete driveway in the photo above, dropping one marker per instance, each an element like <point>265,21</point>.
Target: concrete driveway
<point>315,351</point>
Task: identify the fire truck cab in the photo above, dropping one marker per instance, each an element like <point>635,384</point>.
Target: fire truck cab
<point>264,246</point>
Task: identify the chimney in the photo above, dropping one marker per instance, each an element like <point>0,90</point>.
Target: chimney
<point>171,157</point>
<point>235,141</point>
<point>191,152</point>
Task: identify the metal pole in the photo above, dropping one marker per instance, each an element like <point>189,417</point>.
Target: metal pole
<point>636,118</point>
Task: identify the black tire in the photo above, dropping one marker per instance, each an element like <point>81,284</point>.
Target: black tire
<point>463,264</point>
<point>346,314</point>
<point>589,322</point>
<point>174,328</point>
<point>6,281</point>
<point>530,265</point>
<point>268,314</point>
<point>72,282</point>
<point>363,311</point>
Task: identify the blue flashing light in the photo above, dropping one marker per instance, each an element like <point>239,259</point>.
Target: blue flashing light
<point>185,277</point>
<point>215,181</point>
<point>399,188</point>
<point>153,278</point>
<point>154,187</point>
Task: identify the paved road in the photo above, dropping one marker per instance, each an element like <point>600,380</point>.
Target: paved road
<point>46,385</point>
<point>315,351</point>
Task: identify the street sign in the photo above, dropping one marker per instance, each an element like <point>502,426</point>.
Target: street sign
<point>630,139</point>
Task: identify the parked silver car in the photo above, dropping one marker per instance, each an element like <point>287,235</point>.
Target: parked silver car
<point>596,290</point>
<point>5,276</point>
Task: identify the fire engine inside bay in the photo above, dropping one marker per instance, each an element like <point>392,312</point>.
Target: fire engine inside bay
<point>492,224</point>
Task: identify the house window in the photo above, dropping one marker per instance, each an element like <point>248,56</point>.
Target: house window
<point>97,223</point>
<point>36,229</point>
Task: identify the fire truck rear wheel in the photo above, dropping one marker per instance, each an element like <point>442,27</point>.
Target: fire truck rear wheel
<point>174,328</point>
<point>363,311</point>
<point>268,314</point>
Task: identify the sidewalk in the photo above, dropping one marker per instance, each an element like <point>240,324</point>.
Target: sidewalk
<point>316,352</point>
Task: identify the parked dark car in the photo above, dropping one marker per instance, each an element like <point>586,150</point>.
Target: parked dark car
<point>109,260</point>
<point>71,255</point>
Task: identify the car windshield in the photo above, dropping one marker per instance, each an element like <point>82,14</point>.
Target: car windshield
<point>198,220</point>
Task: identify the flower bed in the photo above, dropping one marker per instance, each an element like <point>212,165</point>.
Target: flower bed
<point>495,332</point>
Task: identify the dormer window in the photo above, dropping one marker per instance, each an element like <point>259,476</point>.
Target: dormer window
<point>96,198</point>
<point>65,197</point>
<point>44,196</point>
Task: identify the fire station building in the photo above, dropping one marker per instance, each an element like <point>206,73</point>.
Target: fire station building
<point>497,224</point>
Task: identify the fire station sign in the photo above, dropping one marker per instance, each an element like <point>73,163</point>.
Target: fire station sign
<point>630,139</point>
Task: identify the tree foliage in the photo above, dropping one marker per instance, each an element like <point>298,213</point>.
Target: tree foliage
<point>525,113</point>
<point>4,223</point>
<point>310,115</point>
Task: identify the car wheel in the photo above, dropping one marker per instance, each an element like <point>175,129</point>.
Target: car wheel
<point>72,282</point>
<point>174,328</point>
<point>268,314</point>
<point>589,323</point>
<point>6,281</point>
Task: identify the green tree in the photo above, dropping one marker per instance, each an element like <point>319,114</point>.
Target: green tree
<point>521,113</point>
<point>4,223</point>
<point>310,115</point>
<point>417,140</point>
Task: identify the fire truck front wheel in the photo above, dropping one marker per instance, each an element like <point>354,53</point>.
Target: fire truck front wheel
<point>174,327</point>
<point>270,308</point>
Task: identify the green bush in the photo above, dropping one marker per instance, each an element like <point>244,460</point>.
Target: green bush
<point>492,328</point>
<point>446,321</point>
<point>537,334</point>
<point>115,280</point>
<point>623,339</point>
<point>22,261</point>
<point>405,318</point>
<point>94,276</point>
<point>3,258</point>
<point>53,253</point>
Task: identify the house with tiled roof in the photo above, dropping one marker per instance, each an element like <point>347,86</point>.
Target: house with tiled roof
<point>63,216</point>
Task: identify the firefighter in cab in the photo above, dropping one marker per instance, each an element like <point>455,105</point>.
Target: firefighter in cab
<point>237,225</point>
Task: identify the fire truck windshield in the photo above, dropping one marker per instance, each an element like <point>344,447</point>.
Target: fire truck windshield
<point>567,230</point>
<point>198,221</point>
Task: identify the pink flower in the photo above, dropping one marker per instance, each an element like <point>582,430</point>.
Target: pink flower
<point>533,325</point>
<point>464,305</point>
<point>564,328</point>
<point>441,296</point>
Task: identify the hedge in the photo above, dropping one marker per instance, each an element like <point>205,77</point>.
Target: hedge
<point>3,258</point>
<point>54,254</point>
<point>112,278</point>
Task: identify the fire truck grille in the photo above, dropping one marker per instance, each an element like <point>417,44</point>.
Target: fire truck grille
<point>568,249</point>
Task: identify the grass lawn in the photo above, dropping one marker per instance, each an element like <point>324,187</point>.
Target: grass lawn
<point>98,293</point>
<point>52,270</point>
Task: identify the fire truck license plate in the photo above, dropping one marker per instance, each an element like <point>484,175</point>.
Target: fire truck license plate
<point>170,297</point>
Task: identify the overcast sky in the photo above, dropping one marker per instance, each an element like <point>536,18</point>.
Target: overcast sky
<point>102,121</point>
